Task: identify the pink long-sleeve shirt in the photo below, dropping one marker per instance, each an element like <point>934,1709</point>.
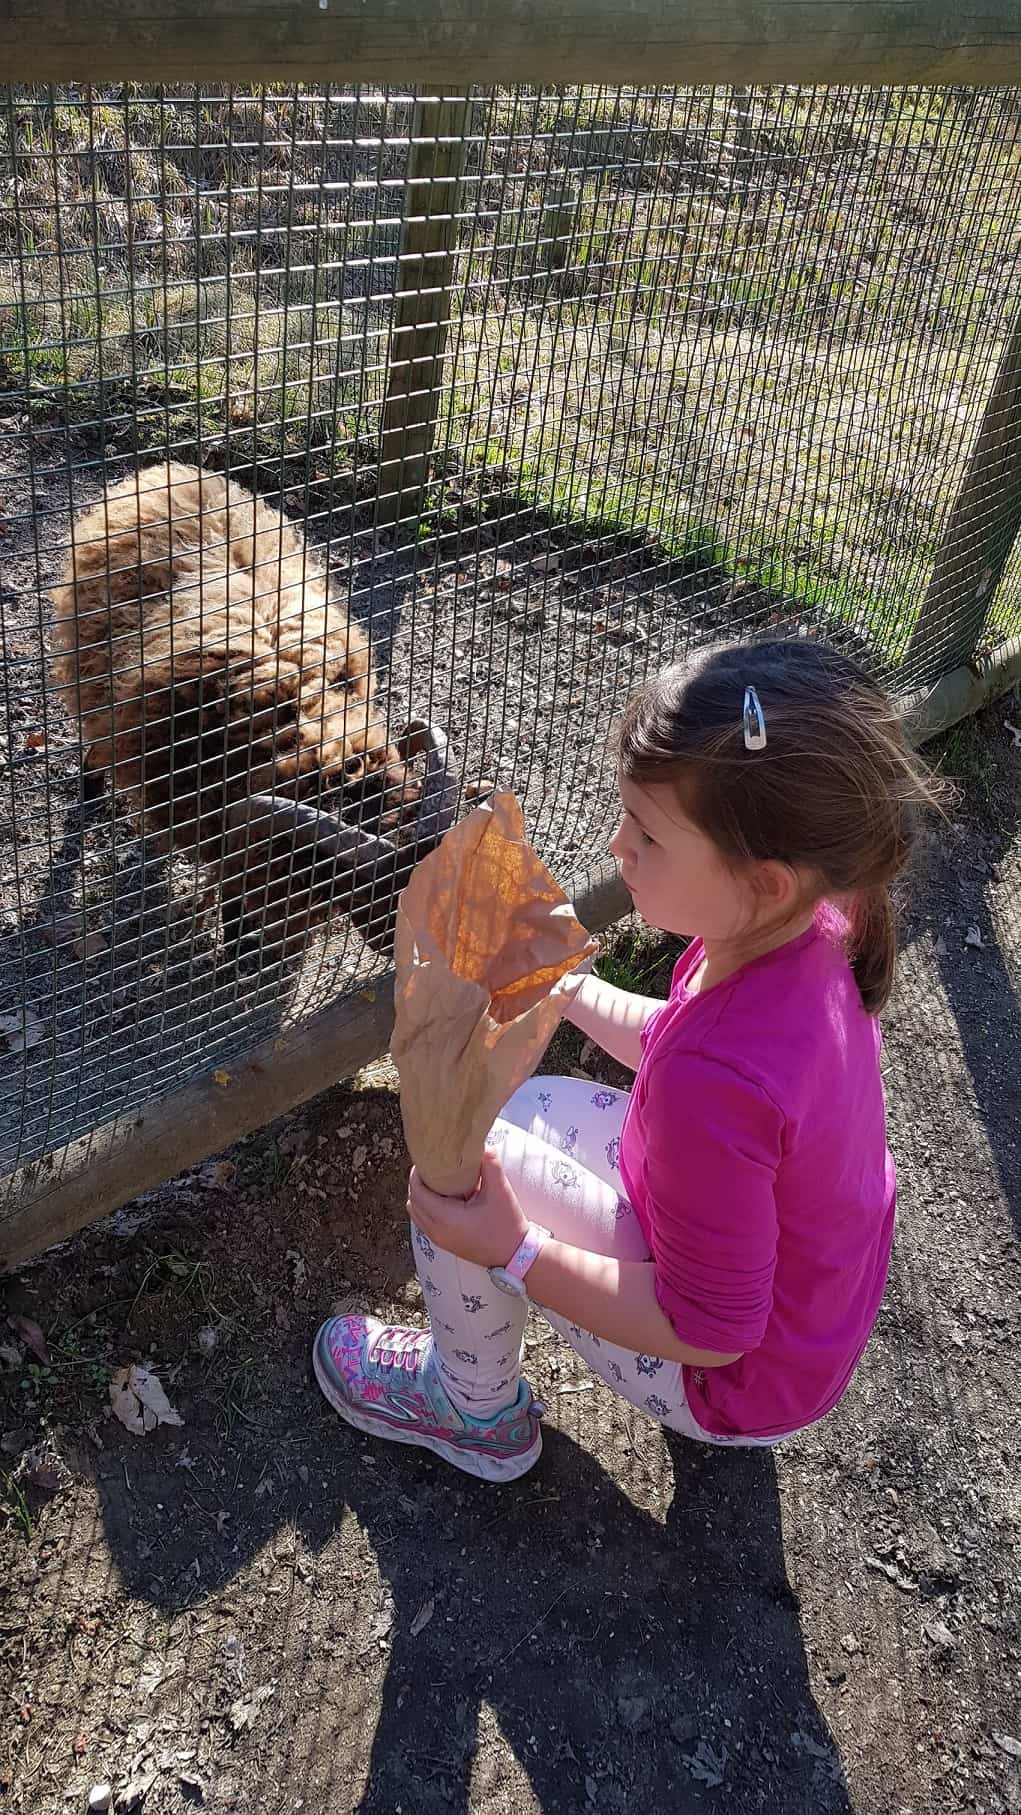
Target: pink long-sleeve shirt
<point>754,1153</point>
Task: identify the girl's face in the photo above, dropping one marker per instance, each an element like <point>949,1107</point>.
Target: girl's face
<point>679,879</point>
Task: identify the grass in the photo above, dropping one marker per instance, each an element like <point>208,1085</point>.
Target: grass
<point>767,346</point>
<point>16,1505</point>
<point>966,755</point>
<point>635,957</point>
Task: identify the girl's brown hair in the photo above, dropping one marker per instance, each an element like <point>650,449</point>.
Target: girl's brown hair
<point>837,789</point>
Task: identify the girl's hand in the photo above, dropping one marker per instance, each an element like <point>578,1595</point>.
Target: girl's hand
<point>487,1228</point>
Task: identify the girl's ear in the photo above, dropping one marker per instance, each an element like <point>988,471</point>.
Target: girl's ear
<point>780,887</point>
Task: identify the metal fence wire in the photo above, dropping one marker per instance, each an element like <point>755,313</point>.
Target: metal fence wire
<point>544,388</point>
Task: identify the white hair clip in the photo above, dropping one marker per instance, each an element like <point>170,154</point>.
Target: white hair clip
<point>754,721</point>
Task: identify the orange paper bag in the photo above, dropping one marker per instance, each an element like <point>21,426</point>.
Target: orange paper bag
<point>488,953</point>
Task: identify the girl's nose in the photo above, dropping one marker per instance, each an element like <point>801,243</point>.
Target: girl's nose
<point>617,842</point>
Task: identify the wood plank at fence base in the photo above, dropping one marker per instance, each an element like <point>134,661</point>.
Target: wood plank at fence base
<point>501,41</point>
<point>980,533</point>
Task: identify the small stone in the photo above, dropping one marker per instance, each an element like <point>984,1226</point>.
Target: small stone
<point>100,1796</point>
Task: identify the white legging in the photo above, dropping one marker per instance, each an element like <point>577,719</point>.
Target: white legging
<point>559,1140</point>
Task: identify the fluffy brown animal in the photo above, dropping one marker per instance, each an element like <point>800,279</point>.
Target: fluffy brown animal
<point>211,671</point>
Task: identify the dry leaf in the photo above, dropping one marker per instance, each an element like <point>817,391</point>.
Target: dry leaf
<point>974,937</point>
<point>22,1030</point>
<point>222,1078</point>
<point>138,1400</point>
<point>35,740</point>
<point>31,1334</point>
<point>422,1617</point>
<point>244,1711</point>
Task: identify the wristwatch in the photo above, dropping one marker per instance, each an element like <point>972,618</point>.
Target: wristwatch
<point>511,1278</point>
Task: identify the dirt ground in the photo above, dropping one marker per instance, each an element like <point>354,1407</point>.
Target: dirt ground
<point>260,1611</point>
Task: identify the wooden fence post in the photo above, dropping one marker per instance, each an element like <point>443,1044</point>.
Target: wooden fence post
<point>980,532</point>
<point>425,277</point>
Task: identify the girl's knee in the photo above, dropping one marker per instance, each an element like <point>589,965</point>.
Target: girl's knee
<point>533,1105</point>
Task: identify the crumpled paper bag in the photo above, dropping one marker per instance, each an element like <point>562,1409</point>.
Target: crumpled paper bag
<point>488,951</point>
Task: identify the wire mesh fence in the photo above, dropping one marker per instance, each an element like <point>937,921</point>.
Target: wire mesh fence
<point>359,450</point>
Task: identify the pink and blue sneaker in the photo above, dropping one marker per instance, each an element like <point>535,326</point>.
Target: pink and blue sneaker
<point>383,1379</point>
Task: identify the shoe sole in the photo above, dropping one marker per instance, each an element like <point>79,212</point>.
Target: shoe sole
<point>482,1468</point>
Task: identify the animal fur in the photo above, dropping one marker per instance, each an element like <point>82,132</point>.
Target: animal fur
<point>205,660</point>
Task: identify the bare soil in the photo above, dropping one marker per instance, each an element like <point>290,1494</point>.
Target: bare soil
<point>261,1611</point>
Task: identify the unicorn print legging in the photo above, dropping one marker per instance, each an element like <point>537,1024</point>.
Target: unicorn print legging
<point>559,1141</point>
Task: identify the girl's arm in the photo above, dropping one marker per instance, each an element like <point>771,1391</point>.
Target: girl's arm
<point>613,1017</point>
<point>614,1299</point>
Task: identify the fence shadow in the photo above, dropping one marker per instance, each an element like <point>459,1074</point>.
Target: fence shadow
<point>959,887</point>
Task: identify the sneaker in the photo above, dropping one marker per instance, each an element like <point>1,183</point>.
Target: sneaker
<point>383,1379</point>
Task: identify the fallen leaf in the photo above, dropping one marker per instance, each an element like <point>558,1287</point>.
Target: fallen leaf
<point>707,1766</point>
<point>138,1400</point>
<point>1007,1743</point>
<point>22,1030</point>
<point>31,1334</point>
<point>422,1618</point>
<point>366,995</point>
<point>41,1468</point>
<point>10,1356</point>
<point>135,1792</point>
<point>940,1635</point>
<point>150,1676</point>
<point>222,1078</point>
<point>244,1712</point>
<point>974,937</point>
<point>893,1572</point>
<point>35,740</point>
<point>80,1744</point>
<point>1015,732</point>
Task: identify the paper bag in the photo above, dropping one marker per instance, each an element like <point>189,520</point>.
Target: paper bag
<point>487,952</point>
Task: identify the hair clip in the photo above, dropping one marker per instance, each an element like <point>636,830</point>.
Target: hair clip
<point>754,721</point>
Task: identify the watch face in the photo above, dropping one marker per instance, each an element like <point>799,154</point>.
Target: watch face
<point>515,1288</point>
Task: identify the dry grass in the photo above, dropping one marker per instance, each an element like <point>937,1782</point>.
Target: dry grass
<point>759,323</point>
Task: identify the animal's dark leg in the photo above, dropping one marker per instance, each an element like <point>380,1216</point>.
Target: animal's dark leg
<point>93,787</point>
<point>232,918</point>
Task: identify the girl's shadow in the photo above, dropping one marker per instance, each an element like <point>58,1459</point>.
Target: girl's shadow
<point>429,1624</point>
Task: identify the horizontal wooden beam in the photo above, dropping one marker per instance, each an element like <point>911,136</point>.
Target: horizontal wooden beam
<point>488,42</point>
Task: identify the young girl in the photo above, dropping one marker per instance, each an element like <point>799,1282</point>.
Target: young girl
<point>715,1244</point>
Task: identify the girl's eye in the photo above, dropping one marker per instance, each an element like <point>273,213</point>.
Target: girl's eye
<point>644,836</point>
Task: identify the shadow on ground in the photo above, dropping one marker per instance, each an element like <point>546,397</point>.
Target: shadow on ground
<point>631,1641</point>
